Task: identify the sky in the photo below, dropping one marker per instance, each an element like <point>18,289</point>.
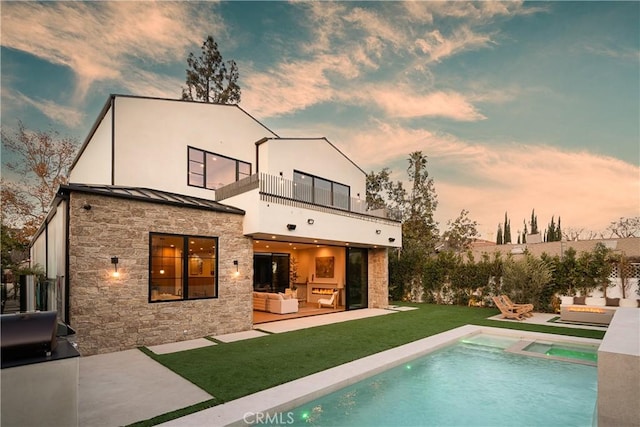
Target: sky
<point>518,106</point>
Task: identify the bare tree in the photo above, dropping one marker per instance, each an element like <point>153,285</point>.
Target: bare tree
<point>572,234</point>
<point>625,227</point>
<point>42,161</point>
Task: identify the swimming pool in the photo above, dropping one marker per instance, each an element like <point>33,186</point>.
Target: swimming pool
<point>468,383</point>
<point>283,403</point>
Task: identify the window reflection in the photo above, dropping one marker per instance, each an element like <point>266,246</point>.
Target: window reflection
<point>212,171</point>
<point>171,256</point>
<point>313,189</point>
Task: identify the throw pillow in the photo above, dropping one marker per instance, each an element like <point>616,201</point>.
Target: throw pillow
<point>579,300</point>
<point>613,302</point>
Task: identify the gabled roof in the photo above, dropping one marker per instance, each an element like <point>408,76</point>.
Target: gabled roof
<point>109,103</point>
<point>149,195</point>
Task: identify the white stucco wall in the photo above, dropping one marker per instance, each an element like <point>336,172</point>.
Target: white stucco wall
<point>272,218</point>
<point>312,156</point>
<point>94,164</point>
<point>152,136</point>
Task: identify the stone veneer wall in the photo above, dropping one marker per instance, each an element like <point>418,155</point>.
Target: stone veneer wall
<point>378,278</point>
<point>111,314</point>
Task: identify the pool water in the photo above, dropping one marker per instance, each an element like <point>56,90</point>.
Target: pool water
<point>466,384</point>
<point>587,353</point>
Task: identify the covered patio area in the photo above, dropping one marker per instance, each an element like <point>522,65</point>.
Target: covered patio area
<point>304,311</point>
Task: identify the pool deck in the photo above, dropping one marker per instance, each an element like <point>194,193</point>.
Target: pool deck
<point>278,400</point>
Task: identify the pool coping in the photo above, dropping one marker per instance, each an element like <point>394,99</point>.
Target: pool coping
<point>276,401</point>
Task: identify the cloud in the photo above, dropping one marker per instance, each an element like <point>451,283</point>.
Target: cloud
<point>105,40</point>
<point>70,116</point>
<point>349,45</point>
<point>620,53</point>
<point>475,12</point>
<point>290,87</point>
<point>586,190</point>
<point>438,47</point>
<point>146,83</point>
<point>401,102</point>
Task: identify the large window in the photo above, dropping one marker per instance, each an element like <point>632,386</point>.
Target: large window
<point>182,267</point>
<point>321,191</point>
<point>212,171</point>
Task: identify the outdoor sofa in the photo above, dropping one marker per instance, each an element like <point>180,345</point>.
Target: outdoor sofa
<point>274,303</point>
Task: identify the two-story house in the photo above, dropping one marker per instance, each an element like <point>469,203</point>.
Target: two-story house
<point>177,211</point>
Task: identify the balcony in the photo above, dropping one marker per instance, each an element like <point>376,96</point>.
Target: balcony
<point>276,189</point>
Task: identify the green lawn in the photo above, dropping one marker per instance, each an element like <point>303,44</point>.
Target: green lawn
<point>232,370</point>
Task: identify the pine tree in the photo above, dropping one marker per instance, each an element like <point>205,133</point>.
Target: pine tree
<point>558,232</point>
<point>524,233</point>
<point>534,222</point>
<point>507,229</point>
<point>553,234</point>
<point>499,236</point>
<point>209,79</point>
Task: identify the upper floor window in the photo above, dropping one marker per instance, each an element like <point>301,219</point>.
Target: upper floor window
<point>212,171</point>
<point>320,191</point>
<point>182,267</point>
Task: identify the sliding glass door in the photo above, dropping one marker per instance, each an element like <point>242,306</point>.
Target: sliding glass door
<point>270,272</point>
<point>357,288</point>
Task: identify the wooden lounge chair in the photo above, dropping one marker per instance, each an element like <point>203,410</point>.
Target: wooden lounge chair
<point>525,309</point>
<point>333,301</point>
<point>507,313</point>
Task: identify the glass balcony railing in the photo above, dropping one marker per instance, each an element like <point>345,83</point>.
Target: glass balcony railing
<point>277,188</point>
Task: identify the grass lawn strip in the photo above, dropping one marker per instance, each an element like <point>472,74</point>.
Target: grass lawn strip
<point>232,370</point>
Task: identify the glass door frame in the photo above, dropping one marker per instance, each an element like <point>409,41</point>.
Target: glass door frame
<point>351,287</point>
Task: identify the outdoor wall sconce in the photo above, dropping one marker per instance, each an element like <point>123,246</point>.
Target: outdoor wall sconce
<point>310,221</point>
<point>392,239</point>
<point>291,227</point>
<point>235,262</point>
<point>378,231</point>
<point>114,261</point>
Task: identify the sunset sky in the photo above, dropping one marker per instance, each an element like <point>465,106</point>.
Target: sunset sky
<point>518,106</point>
